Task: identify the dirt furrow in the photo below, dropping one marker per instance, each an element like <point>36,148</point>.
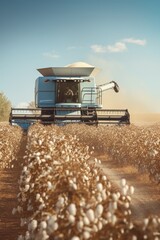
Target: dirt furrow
<point>146,198</point>
<point>9,223</point>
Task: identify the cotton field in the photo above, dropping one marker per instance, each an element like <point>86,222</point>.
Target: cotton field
<point>62,192</point>
<point>10,138</point>
<point>138,146</point>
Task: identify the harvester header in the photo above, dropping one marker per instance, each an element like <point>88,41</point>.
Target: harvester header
<point>69,95</point>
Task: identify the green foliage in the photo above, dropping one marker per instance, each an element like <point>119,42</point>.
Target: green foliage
<point>5,107</point>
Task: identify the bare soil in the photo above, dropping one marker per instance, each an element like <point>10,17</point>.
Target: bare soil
<point>9,223</point>
<point>146,198</point>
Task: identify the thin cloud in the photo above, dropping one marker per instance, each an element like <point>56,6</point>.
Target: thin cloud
<point>50,55</point>
<point>135,41</point>
<point>117,47</point>
<point>120,46</point>
<point>99,48</point>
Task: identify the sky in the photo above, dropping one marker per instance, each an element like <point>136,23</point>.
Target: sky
<point>121,37</point>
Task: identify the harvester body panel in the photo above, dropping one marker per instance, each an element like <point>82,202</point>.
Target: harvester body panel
<point>69,95</point>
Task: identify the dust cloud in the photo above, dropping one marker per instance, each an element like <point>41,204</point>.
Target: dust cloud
<point>138,102</point>
<point>141,113</point>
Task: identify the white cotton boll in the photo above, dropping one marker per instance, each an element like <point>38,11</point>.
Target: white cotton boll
<point>49,185</point>
<point>134,237</point>
<point>99,198</point>
<point>52,225</point>
<point>27,236</point>
<point>95,171</point>
<point>23,222</point>
<point>124,191</point>
<point>114,205</point>
<point>43,225</point>
<point>99,187</point>
<point>27,180</point>
<point>71,219</point>
<point>104,178</point>
<point>74,186</point>
<point>123,182</point>
<point>126,205</point>
<point>43,160</point>
<point>72,209</point>
<point>14,211</point>
<point>113,219</point>
<point>97,178</point>
<point>41,200</point>
<point>38,196</point>
<point>155,222</point>
<point>109,185</point>
<point>19,209</point>
<point>47,157</point>
<point>86,220</point>
<point>98,210</point>
<point>131,189</point>
<point>85,178</point>
<point>24,168</point>
<point>67,172</point>
<point>115,197</point>
<point>82,203</point>
<point>80,225</point>
<point>44,235</point>
<point>100,225</point>
<point>67,158</point>
<point>60,202</point>
<point>40,142</point>
<point>52,219</point>
<point>32,225</point>
<point>55,226</point>
<point>127,187</point>
<point>26,188</point>
<point>125,213</point>
<point>104,195</point>
<point>75,238</point>
<point>86,235</point>
<point>109,215</point>
<point>156,238</point>
<point>20,237</point>
<point>129,198</point>
<point>41,206</point>
<point>111,208</point>
<point>90,215</point>
<point>29,208</point>
<point>95,228</point>
<point>43,194</point>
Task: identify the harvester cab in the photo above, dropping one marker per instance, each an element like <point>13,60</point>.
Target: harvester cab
<point>69,95</point>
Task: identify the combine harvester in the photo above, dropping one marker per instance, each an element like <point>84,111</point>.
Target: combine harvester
<point>69,95</point>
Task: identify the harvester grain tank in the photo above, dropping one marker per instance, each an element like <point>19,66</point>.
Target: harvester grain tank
<point>69,95</point>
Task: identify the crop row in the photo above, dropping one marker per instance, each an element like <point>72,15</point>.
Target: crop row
<point>138,146</point>
<point>65,196</point>
<point>10,138</point>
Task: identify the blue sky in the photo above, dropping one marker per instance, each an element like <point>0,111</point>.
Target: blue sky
<point>121,37</point>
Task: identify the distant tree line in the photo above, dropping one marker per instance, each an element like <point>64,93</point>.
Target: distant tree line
<point>5,107</point>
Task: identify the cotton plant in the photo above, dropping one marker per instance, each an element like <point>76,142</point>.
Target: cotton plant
<point>10,138</point>
<point>65,196</point>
